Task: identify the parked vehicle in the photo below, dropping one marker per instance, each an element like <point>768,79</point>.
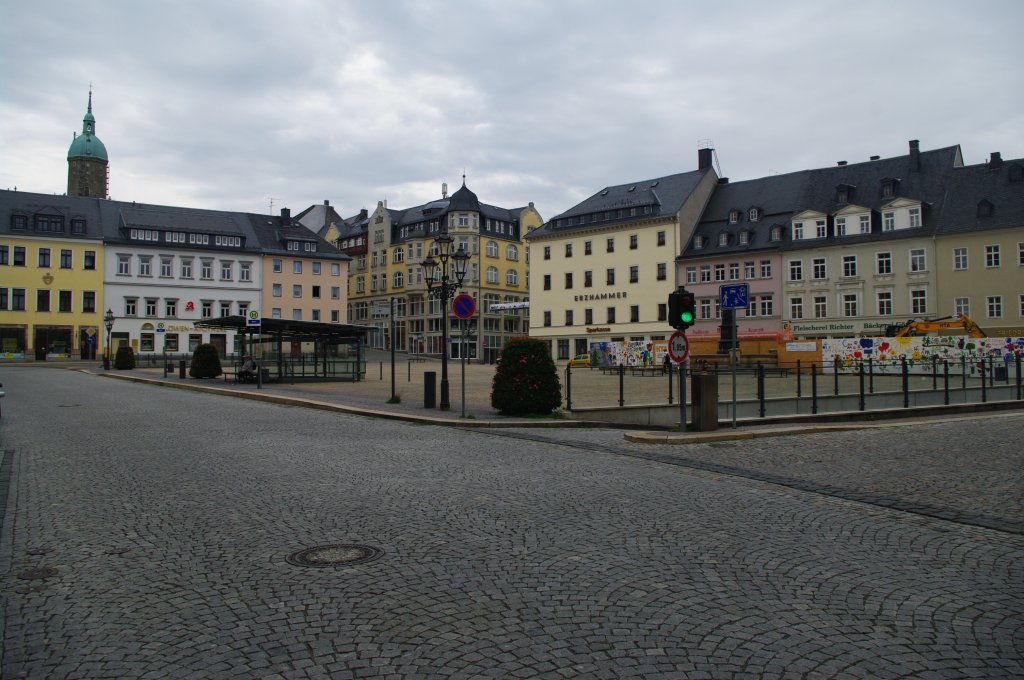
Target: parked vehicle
<point>580,361</point>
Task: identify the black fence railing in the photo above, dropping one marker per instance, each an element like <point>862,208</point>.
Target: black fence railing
<point>759,390</point>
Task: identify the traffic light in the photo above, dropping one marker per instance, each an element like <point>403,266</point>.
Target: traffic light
<point>682,309</point>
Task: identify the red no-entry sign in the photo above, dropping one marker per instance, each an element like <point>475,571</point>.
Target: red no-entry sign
<point>678,347</point>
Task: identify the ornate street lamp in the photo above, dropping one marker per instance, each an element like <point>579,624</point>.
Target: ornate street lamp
<point>108,321</point>
<point>442,282</point>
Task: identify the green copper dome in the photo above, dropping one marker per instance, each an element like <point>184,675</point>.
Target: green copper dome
<point>88,145</point>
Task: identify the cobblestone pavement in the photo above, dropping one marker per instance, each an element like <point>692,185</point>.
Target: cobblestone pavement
<point>146,532</point>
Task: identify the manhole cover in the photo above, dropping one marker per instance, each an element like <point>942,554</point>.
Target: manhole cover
<point>334,555</point>
<point>37,573</point>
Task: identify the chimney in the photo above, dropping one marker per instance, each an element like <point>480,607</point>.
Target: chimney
<point>326,202</point>
<point>874,158</point>
<point>363,214</point>
<point>996,160</point>
<point>704,158</point>
<point>444,189</point>
<point>841,163</point>
<point>723,180</point>
<point>286,217</point>
<point>915,155</point>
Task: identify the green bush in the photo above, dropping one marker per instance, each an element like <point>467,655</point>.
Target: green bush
<point>205,362</point>
<point>124,360</point>
<point>526,380</point>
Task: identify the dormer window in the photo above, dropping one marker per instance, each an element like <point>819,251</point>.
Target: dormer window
<point>776,233</point>
<point>723,239</point>
<point>1016,172</point>
<point>985,208</point>
<point>798,231</point>
<point>734,216</point>
<point>915,217</point>
<point>744,238</point>
<point>890,187</point>
<point>699,242</point>
<point>754,214</point>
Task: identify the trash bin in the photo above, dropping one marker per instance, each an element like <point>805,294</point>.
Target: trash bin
<point>430,389</point>
<point>181,368</point>
<point>705,402</point>
<point>999,373</point>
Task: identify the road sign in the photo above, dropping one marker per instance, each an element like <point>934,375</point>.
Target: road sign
<point>734,296</point>
<point>678,347</point>
<point>91,340</point>
<point>90,331</point>
<point>253,319</point>
<point>463,305</point>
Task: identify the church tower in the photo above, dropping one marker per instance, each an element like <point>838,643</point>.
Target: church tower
<point>87,160</point>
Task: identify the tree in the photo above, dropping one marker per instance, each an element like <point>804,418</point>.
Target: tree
<point>205,362</point>
<point>526,380</point>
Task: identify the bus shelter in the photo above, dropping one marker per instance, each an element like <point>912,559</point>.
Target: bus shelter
<point>298,350</point>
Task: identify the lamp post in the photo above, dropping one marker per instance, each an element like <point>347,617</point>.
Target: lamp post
<point>108,322</point>
<point>444,277</point>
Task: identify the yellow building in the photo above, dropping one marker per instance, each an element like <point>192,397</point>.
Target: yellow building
<point>51,277</point>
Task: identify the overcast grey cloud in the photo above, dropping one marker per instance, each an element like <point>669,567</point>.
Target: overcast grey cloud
<point>225,104</point>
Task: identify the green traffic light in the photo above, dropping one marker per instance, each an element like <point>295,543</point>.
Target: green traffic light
<point>686,316</point>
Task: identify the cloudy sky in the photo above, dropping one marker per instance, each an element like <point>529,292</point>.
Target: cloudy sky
<point>229,104</point>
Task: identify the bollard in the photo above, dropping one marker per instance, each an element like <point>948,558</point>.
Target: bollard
<point>430,389</point>
<point>181,369</point>
<point>945,381</point>
<point>906,383</point>
<point>705,402</point>
<point>860,374</point>
<point>622,384</point>
<point>568,388</point>
<point>814,389</point>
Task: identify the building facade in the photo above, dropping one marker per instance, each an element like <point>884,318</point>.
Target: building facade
<point>602,270</point>
<point>387,287</point>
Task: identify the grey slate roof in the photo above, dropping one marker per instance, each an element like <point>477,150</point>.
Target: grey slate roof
<point>1000,186</point>
<point>663,196</point>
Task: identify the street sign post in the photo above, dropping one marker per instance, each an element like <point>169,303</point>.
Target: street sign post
<point>678,347</point>
<point>253,319</point>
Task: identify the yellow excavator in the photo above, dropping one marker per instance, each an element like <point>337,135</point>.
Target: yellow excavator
<point>921,326</point>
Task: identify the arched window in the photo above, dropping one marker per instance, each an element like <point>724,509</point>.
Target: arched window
<point>511,252</point>
<point>512,277</point>
<point>492,249</point>
<point>492,274</point>
<point>398,280</point>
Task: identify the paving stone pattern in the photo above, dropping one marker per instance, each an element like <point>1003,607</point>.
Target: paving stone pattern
<point>168,516</point>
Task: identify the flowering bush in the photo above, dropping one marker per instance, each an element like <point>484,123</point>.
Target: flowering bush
<point>526,380</point>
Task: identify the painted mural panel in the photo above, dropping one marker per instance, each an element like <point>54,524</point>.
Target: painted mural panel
<point>628,353</point>
<point>886,354</point>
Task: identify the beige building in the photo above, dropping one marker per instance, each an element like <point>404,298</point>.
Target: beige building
<point>602,271</point>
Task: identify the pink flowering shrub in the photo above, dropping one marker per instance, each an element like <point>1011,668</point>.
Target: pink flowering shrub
<point>526,380</point>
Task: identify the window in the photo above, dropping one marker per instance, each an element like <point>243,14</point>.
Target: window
<point>611,315</point>
<point>170,308</point>
<point>820,230</point>
<point>44,257</point>
<point>850,304</point>
<point>796,270</point>
<point>568,280</point>
<point>719,272</point>
<point>994,305</point>
<point>775,234</point>
<point>744,238</point>
<point>568,317</point>
<point>18,299</point>
<point>588,279</point>
<point>820,307</point>
<point>19,256</point>
<point>818,268</point>
<point>691,275</point>
<point>297,290</point>
<point>64,301</point>
<point>226,270</point>
<point>276,290</point>
<point>296,314</point>
<point>225,309</point>
<point>5,255</point>
<point>610,245</point>
<point>959,259</point>
<point>840,226</point>
<point>335,292</point>
<point>492,274</point>
<point>888,221</point>
<point>278,266</point>
<point>65,259</point>
<point>568,250</point>
<point>511,253</point>
<point>705,309</point>
<point>883,300</point>
<point>796,307</point>
<point>42,300</point>
<point>610,277</point>
<point>917,260</point>
<point>734,216</point>
<point>699,242</point>
<point>297,266</point>
<point>962,305</point>
<point>634,313</point>
<point>705,273</point>
<point>397,281</point>
<point>547,252</point>
<point>883,263</point>
<point>734,271</point>
<point>766,269</point>
<point>723,239</point>
<point>145,265</point>
<point>130,307</point>
<point>661,238</point>
<point>915,217</point>
<point>798,231</point>
<point>186,268</point>
<point>88,301</point>
<point>849,266</point>
<point>89,260</point>
<point>124,265</point>
<point>767,305</point>
<point>865,224</point>
<point>918,302</point>
<point>992,256</point>
<point>634,274</point>
<point>335,269</point>
<point>207,309</point>
<point>748,270</point>
<point>634,241</point>
<point>151,306</point>
<point>662,271</point>
<point>245,271</point>
<point>512,277</point>
<point>206,270</point>
<point>547,282</point>
<point>547,318</point>
<point>492,249</point>
<point>754,214</point>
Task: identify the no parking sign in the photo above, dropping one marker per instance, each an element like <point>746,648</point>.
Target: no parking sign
<point>463,305</point>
